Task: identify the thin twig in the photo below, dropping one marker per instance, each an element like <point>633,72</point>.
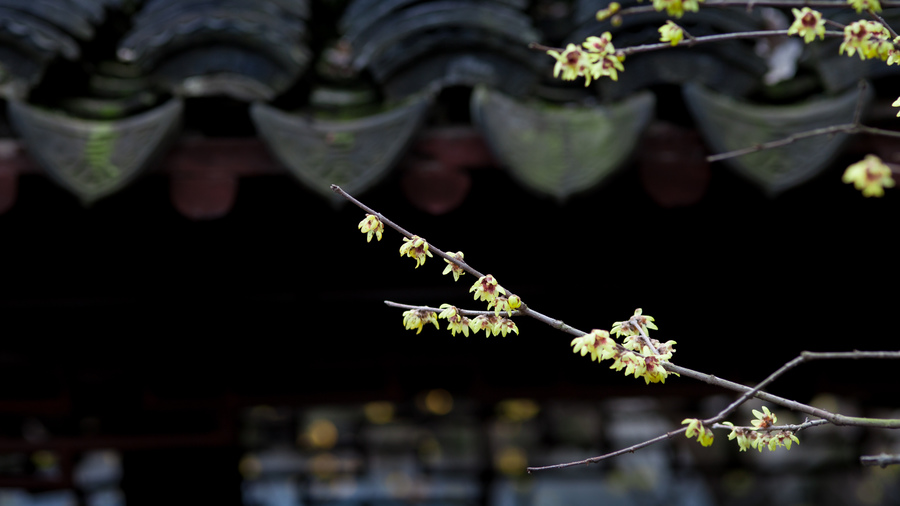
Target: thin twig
<point>847,128</point>
<point>882,460</point>
<point>883,22</point>
<point>704,39</point>
<point>805,356</point>
<point>340,191</point>
<point>692,41</point>
<point>795,428</point>
<point>464,312</point>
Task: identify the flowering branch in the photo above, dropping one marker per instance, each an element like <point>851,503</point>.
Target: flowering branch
<point>826,417</point>
<point>651,364</point>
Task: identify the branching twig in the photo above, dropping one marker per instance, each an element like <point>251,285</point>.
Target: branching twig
<point>746,392</point>
<point>805,356</point>
<point>692,41</point>
<point>847,128</point>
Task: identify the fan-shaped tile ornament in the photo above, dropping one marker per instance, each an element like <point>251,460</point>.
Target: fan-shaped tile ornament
<point>729,124</point>
<point>243,52</point>
<point>27,45</point>
<point>557,150</point>
<point>355,154</point>
<point>95,158</point>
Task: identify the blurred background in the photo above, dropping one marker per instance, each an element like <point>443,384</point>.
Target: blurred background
<point>191,316</point>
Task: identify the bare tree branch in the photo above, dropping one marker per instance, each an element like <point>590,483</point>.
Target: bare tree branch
<point>882,460</point>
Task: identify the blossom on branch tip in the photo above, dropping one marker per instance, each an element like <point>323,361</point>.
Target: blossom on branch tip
<point>635,325</point>
<point>870,175</point>
<point>371,225</point>
<point>671,33</point>
<point>486,288</point>
<point>416,318</point>
<point>865,5</point>
<point>454,268</point>
<point>807,24</point>
<point>608,12</point>
<point>415,248</point>
<point>764,419</point>
<point>677,8</point>
<point>695,428</point>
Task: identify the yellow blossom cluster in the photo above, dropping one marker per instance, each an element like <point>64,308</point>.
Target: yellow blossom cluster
<point>490,324</point>
<point>634,355</point>
<point>595,58</point>
<point>757,438</point>
<point>677,8</point>
<point>868,39</point>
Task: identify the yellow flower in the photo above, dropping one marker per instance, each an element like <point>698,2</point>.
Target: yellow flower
<point>695,428</point>
<point>896,104</point>
<point>807,24</point>
<point>371,225</point>
<point>599,45</point>
<point>486,288</point>
<point>894,57</point>
<point>740,434</point>
<point>455,321</point>
<point>505,326</point>
<point>571,63</point>
<point>608,12</point>
<point>868,39</point>
<point>415,248</point>
<point>765,419</point>
<point>634,325</point>
<point>677,8</point>
<point>654,371</point>
<point>671,33</point>
<point>416,318</point>
<point>870,175</point>
<point>633,364</point>
<point>597,343</point>
<point>865,5</point>
<point>452,267</point>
